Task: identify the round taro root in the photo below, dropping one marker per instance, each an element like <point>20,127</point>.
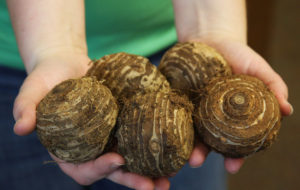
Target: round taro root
<point>238,116</point>
<point>127,74</point>
<point>155,134</point>
<point>190,66</point>
<point>75,119</point>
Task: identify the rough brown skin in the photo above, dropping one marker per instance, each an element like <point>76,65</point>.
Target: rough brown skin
<point>238,116</point>
<point>155,134</point>
<point>75,119</point>
<point>127,74</point>
<point>190,66</point>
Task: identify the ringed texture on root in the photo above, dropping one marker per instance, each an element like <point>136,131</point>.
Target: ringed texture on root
<point>75,119</point>
<point>238,116</point>
<point>127,75</point>
<point>155,133</point>
<point>190,66</point>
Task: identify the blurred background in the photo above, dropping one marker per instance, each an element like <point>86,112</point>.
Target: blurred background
<point>274,32</point>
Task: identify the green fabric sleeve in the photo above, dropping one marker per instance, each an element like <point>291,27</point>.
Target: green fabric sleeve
<point>133,26</point>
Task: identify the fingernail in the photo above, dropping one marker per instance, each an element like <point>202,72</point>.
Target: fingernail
<point>172,174</point>
<point>196,162</point>
<point>233,169</point>
<point>198,166</point>
<point>16,127</point>
<point>116,166</point>
<point>292,109</point>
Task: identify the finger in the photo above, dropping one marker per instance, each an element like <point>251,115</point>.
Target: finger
<point>42,79</point>
<point>131,180</point>
<point>26,124</point>
<point>198,155</point>
<point>233,165</point>
<point>31,92</point>
<point>279,88</point>
<point>261,69</point>
<point>285,107</point>
<point>162,183</point>
<point>89,172</point>
<point>246,61</point>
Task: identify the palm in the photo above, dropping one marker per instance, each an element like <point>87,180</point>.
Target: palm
<point>52,71</point>
<point>105,167</point>
<point>39,82</point>
<point>243,60</point>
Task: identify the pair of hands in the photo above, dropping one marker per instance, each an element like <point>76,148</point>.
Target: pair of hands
<point>53,68</point>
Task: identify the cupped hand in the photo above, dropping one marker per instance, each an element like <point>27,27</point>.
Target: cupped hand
<point>243,60</point>
<point>108,166</point>
<point>48,72</point>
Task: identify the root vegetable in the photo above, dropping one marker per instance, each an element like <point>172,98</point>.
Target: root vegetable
<point>190,66</point>
<point>238,116</point>
<point>75,119</point>
<point>155,134</point>
<point>127,75</point>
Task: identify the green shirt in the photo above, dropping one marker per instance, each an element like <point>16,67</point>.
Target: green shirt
<point>140,27</point>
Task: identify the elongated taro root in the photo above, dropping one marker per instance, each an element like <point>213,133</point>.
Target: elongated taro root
<point>126,75</point>
<point>238,116</point>
<point>155,134</point>
<point>75,119</point>
<point>190,66</point>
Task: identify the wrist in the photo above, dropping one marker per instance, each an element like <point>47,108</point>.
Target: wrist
<point>43,28</point>
<point>216,37</point>
<point>63,53</point>
<point>210,19</point>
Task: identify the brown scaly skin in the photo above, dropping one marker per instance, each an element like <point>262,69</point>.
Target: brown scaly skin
<point>238,116</point>
<point>75,119</point>
<point>189,66</point>
<point>155,134</point>
<point>127,74</point>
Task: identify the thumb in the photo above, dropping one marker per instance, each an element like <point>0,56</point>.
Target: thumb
<point>43,78</point>
<point>24,111</point>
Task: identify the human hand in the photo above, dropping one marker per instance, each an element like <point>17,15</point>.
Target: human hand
<point>108,166</point>
<point>243,60</point>
<point>48,71</point>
